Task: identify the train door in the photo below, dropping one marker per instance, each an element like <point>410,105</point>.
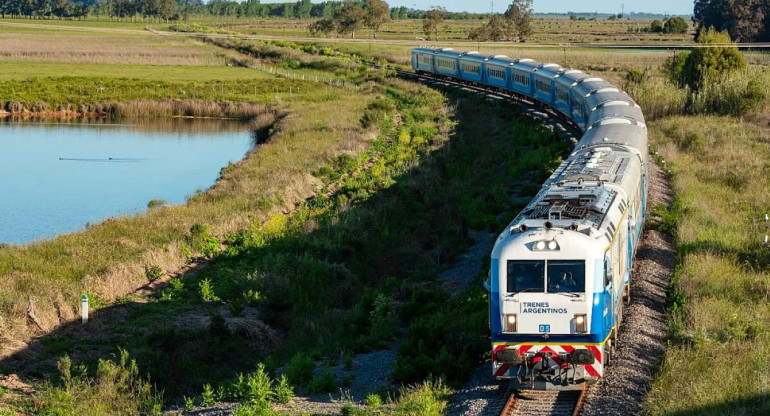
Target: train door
<point>607,298</point>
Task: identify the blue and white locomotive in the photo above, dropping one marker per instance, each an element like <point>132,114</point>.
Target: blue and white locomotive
<point>561,269</point>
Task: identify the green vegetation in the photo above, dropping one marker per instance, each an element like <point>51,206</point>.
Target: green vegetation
<point>110,388</point>
<point>705,65</point>
<point>746,21</point>
<point>719,318</point>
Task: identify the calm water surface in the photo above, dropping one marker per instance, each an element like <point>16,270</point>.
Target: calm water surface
<point>56,177</point>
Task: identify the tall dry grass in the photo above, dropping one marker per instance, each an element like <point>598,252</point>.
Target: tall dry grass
<point>741,93</point>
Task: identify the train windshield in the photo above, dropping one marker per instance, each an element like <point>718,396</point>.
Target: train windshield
<point>566,276</point>
<point>526,275</point>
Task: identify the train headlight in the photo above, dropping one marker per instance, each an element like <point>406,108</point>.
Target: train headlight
<point>510,323</point>
<point>546,245</point>
<point>580,323</point>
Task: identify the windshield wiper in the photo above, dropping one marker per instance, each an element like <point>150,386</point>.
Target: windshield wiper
<point>524,290</point>
<point>570,294</point>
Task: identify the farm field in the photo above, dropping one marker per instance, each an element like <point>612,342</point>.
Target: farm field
<point>332,231</point>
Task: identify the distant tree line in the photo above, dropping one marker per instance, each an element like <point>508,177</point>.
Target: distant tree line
<point>744,20</point>
<point>43,9</point>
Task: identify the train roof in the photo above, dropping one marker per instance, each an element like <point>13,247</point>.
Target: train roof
<point>615,131</point>
<point>607,95</point>
<point>549,70</point>
<point>425,50</point>
<point>502,60</point>
<point>474,56</point>
<point>616,109</point>
<point>588,85</point>
<point>570,77</point>
<point>528,65</point>
<point>448,52</point>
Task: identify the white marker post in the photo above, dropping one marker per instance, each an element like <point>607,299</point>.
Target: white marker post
<point>84,308</point>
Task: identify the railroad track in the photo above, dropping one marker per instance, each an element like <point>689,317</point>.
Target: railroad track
<point>544,403</point>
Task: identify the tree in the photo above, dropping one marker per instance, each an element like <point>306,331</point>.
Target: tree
<point>656,26</point>
<point>376,15</point>
<point>348,18</point>
<point>433,18</point>
<point>302,9</point>
<point>744,20</point>
<point>323,27</point>
<point>497,29</point>
<point>676,25</point>
<point>708,63</point>
<point>520,14</point>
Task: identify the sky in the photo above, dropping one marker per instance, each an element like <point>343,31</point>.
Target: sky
<point>673,7</point>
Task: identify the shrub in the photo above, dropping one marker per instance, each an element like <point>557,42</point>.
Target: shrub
<point>711,62</point>
<point>116,388</point>
<point>300,370</point>
<point>373,400</point>
<point>326,383</point>
<point>206,291</point>
<point>207,397</point>
<point>283,390</point>
<point>153,272</point>
<point>201,240</point>
<point>156,203</point>
<point>636,76</point>
<point>675,25</point>
<point>426,399</point>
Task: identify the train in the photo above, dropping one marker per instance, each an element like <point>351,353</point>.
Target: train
<point>560,272</point>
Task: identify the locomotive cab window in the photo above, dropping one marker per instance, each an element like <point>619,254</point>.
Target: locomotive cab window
<point>566,276</point>
<point>526,275</point>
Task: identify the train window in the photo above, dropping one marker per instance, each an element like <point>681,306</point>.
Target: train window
<point>526,275</point>
<point>543,86</point>
<point>521,79</point>
<point>425,59</point>
<point>566,276</point>
<point>561,95</point>
<point>471,68</point>
<point>496,73</point>
<point>607,271</point>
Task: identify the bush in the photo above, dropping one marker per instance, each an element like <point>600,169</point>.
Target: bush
<point>201,240</point>
<point>153,272</point>
<point>326,383</point>
<point>675,25</point>
<point>156,203</point>
<point>426,399</point>
<point>116,388</point>
<point>284,392</point>
<point>300,370</point>
<point>636,76</point>
<point>656,26</point>
<point>710,63</point>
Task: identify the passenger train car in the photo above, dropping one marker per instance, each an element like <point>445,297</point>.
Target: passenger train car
<point>562,268</point>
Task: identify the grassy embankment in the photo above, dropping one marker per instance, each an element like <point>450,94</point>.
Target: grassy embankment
<point>716,147</point>
<point>388,220</point>
<point>110,258</point>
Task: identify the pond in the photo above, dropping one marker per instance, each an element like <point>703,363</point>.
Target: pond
<point>58,177</point>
